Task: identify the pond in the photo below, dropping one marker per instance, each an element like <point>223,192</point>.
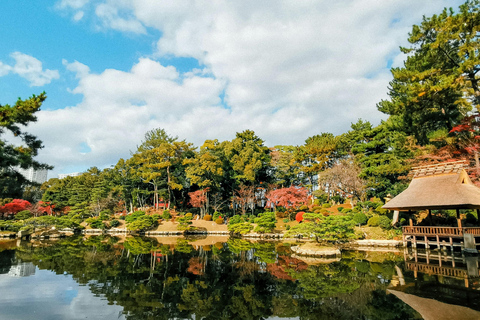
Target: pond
<point>100,277</point>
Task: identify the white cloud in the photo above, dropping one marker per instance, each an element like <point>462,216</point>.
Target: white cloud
<point>287,69</point>
<point>29,68</point>
<point>74,4</point>
<point>117,109</point>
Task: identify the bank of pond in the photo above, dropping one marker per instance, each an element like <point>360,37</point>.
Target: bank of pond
<point>219,277</point>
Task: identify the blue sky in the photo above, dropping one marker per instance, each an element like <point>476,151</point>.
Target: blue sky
<point>113,70</point>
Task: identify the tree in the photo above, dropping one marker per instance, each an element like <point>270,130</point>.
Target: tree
<point>344,178</point>
<point>331,228</point>
<point>318,154</point>
<point>157,158</point>
<point>15,206</point>
<point>244,198</point>
<point>287,197</point>
<point>249,158</point>
<point>439,82</point>
<point>12,156</point>
<point>198,199</point>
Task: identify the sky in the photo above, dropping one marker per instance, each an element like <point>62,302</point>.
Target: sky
<point>115,69</point>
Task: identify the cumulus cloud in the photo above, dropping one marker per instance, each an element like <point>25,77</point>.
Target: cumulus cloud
<point>118,108</point>
<point>287,70</point>
<point>29,68</point>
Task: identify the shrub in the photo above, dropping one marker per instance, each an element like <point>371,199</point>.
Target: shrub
<point>340,209</point>
<point>219,220</point>
<point>326,205</point>
<point>156,216</point>
<point>23,215</point>
<point>189,215</point>
<point>166,215</point>
<point>317,208</point>
<point>299,216</point>
<point>216,214</point>
<point>141,223</point>
<point>241,228</point>
<point>360,218</point>
<point>134,216</point>
<point>373,221</point>
<point>384,222</point>
<point>185,222</point>
<point>207,217</point>
<point>235,219</point>
<point>114,223</point>
<point>286,220</point>
<point>265,222</point>
<point>287,227</point>
<point>346,210</point>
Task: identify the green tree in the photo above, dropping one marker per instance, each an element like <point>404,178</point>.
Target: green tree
<point>439,82</point>
<point>12,120</point>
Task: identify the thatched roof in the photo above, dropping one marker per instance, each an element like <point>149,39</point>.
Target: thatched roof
<point>431,309</point>
<point>438,187</point>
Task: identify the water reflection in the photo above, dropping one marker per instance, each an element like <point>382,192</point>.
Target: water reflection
<point>219,278</point>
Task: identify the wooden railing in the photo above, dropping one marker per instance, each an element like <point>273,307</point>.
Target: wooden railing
<point>440,231</point>
<point>434,269</point>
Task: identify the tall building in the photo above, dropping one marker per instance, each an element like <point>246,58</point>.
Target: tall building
<point>64,175</point>
<point>38,176</point>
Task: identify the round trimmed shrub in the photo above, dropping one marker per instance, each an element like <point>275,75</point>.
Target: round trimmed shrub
<point>299,216</point>
<point>166,215</point>
<point>207,217</point>
<point>326,205</point>
<point>374,221</point>
<point>360,218</point>
<point>384,222</point>
<point>340,209</point>
<point>219,220</point>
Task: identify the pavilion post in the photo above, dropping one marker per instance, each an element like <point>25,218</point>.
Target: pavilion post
<point>478,217</point>
<point>459,221</point>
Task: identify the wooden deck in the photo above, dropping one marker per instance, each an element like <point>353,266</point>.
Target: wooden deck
<point>440,231</point>
<point>441,237</point>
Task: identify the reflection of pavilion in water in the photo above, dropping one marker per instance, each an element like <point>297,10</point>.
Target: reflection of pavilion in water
<point>23,269</point>
<point>444,286</point>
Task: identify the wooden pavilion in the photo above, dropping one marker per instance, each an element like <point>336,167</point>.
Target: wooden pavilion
<point>444,186</point>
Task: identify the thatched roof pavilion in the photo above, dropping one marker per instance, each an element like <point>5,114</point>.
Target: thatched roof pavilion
<point>441,186</point>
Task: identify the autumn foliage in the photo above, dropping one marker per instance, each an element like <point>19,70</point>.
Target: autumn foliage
<point>299,216</point>
<point>15,206</point>
<point>287,197</point>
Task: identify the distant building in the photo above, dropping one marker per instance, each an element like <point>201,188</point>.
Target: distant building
<point>64,175</point>
<point>23,269</point>
<point>38,176</point>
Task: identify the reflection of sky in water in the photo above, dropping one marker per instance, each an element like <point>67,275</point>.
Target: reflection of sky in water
<point>46,295</point>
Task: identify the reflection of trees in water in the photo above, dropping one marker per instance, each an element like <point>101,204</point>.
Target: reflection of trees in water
<point>240,280</point>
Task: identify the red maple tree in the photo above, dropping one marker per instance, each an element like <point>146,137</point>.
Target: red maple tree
<point>15,206</point>
<point>287,197</point>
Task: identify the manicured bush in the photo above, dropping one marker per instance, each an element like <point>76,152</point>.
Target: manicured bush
<point>134,216</point>
<point>235,219</point>
<point>219,220</point>
<point>360,218</point>
<point>299,216</point>
<point>189,215</point>
<point>216,214</point>
<point>141,223</point>
<point>166,215</point>
<point>373,221</point>
<point>384,222</point>
<point>303,208</point>
<point>326,205</point>
<point>286,220</point>
<point>346,210</point>
<point>265,222</point>
<point>114,223</point>
<point>287,227</point>
<point>241,228</point>
<point>23,215</point>
<point>207,217</point>
<point>340,209</point>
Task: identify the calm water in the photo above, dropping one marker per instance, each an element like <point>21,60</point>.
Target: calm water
<point>140,278</point>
